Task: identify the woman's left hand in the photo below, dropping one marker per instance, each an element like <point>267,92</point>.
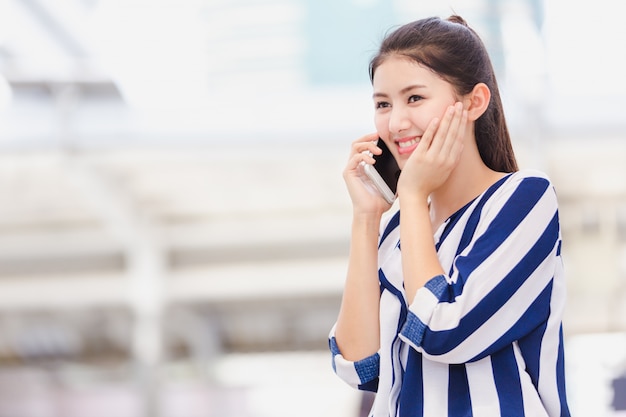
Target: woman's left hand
<point>437,154</point>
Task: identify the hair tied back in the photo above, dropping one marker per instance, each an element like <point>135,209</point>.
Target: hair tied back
<point>457,19</point>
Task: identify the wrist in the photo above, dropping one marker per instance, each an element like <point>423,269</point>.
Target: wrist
<point>408,192</point>
<point>366,219</point>
<point>366,227</point>
<point>413,199</point>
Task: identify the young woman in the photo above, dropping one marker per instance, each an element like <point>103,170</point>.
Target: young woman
<point>453,307</point>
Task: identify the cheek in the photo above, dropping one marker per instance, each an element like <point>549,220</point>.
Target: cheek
<point>382,124</point>
<point>426,114</point>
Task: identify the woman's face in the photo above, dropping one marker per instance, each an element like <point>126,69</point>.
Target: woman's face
<point>407,97</point>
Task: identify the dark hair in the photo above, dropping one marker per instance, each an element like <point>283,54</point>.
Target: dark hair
<point>457,54</point>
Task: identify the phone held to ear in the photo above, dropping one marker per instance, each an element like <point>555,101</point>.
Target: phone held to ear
<point>384,174</point>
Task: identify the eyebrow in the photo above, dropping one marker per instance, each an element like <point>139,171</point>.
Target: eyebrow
<point>403,91</point>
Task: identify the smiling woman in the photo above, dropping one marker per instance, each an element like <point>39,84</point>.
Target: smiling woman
<point>456,309</point>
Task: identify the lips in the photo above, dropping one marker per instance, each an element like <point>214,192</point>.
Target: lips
<point>407,145</point>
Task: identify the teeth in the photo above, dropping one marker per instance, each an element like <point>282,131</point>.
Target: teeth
<point>407,143</point>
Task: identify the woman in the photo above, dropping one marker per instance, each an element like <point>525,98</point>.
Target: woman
<point>456,309</point>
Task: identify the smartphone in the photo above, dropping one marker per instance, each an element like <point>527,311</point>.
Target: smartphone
<point>384,173</point>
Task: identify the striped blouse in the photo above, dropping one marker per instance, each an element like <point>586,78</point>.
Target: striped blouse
<point>485,339</point>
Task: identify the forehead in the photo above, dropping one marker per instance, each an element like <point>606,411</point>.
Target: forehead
<point>401,71</point>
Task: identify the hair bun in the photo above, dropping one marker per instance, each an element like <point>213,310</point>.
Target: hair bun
<point>457,19</point>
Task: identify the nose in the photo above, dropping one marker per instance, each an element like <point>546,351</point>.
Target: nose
<point>398,119</point>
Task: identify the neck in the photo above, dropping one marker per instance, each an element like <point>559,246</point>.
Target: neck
<point>466,182</point>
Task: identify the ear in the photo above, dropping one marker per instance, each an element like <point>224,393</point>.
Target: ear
<point>477,101</point>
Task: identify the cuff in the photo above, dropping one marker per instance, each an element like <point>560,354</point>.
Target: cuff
<point>355,373</point>
<point>421,310</point>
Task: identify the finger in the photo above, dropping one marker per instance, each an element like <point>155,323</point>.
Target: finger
<point>370,137</point>
<point>366,143</point>
<point>457,146</point>
<point>428,135</point>
<point>444,129</point>
<point>367,158</point>
<point>359,158</point>
<point>368,148</point>
<point>456,129</point>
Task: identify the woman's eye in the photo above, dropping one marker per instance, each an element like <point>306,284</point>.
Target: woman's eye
<point>381,104</point>
<point>414,99</point>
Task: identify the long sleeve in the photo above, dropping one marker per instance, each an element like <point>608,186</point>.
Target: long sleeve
<point>485,338</point>
<point>500,281</point>
<point>362,374</point>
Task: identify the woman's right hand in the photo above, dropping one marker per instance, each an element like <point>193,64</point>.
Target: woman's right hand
<point>364,200</point>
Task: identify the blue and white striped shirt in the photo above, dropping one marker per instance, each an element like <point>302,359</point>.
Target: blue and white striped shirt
<point>485,339</point>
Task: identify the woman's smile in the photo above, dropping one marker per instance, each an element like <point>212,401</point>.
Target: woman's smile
<point>407,145</point>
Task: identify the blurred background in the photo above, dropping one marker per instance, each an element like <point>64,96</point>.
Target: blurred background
<point>173,222</point>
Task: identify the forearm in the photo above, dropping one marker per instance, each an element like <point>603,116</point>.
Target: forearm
<point>419,256</point>
<point>357,330</point>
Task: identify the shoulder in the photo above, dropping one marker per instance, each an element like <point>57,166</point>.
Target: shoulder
<point>520,192</point>
<point>529,175</point>
<point>528,181</point>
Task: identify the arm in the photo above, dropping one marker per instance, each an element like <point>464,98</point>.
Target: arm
<point>427,169</point>
<point>423,263</point>
<point>355,338</point>
<point>357,329</point>
<point>499,287</point>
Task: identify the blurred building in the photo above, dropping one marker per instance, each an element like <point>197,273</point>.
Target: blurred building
<point>173,223</point>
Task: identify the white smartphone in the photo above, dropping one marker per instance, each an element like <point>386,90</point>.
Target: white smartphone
<point>384,173</point>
